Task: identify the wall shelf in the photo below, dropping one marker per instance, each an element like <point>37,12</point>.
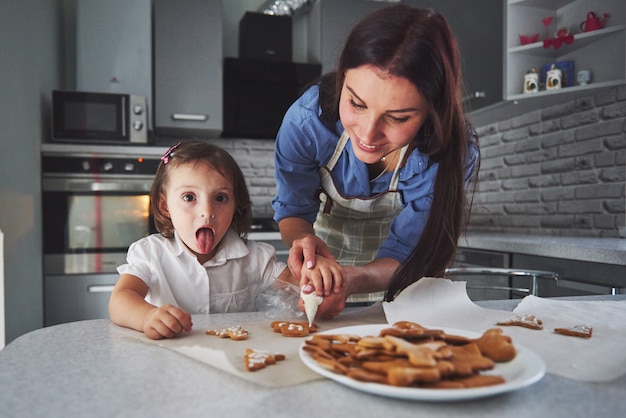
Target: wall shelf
<point>601,51</point>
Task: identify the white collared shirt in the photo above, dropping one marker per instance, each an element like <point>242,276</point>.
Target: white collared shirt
<point>229,282</point>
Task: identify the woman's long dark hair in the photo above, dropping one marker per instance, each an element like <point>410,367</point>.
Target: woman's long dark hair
<point>417,44</point>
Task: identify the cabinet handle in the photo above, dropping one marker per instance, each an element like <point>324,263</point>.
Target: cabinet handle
<point>475,95</point>
<point>100,288</point>
<point>189,117</point>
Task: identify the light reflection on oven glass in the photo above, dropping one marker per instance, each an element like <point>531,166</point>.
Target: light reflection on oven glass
<point>106,221</point>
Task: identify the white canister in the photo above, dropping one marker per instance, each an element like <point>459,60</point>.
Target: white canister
<point>531,82</point>
<point>553,78</point>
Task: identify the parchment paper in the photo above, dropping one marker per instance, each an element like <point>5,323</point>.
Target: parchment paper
<point>444,303</point>
<point>228,355</point>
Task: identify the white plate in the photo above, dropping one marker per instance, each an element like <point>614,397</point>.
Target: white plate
<point>525,369</point>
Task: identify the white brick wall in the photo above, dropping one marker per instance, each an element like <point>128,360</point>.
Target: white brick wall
<point>558,171</point>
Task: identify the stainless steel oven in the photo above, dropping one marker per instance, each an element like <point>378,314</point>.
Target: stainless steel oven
<point>95,203</point>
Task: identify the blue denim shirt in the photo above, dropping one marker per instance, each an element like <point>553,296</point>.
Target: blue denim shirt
<point>304,144</point>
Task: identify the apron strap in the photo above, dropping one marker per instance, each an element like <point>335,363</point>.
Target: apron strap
<point>343,140</point>
<point>393,186</point>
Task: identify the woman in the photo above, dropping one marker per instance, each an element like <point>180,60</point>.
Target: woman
<point>373,162</point>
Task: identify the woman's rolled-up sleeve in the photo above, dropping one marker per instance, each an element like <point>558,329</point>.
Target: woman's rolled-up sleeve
<point>301,147</point>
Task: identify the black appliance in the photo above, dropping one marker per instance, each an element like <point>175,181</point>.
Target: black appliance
<point>266,37</point>
<point>257,93</point>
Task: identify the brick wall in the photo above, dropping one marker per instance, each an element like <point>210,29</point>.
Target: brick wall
<point>555,171</point>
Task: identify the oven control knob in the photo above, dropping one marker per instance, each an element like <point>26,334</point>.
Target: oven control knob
<point>107,166</point>
<point>138,125</point>
<point>138,110</point>
<point>129,167</point>
<point>86,166</point>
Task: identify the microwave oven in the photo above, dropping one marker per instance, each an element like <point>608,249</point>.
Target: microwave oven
<point>99,118</point>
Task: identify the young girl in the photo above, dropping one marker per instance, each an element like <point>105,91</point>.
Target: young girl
<point>201,261</point>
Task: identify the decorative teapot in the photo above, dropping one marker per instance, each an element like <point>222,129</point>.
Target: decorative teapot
<point>593,22</point>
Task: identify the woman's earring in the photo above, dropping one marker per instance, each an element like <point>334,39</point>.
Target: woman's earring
<point>426,130</point>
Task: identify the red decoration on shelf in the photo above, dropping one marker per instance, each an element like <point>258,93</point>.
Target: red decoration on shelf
<point>547,21</point>
<point>528,39</point>
<point>558,41</point>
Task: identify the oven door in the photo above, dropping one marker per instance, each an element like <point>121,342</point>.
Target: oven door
<point>88,225</point>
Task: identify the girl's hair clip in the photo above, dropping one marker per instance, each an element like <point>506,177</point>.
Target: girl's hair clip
<point>166,157</point>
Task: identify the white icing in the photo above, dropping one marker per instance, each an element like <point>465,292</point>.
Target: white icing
<point>311,303</point>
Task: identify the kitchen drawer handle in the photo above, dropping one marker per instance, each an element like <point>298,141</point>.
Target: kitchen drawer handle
<point>189,117</point>
<point>100,288</point>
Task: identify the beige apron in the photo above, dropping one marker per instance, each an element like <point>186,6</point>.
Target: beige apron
<point>354,227</point>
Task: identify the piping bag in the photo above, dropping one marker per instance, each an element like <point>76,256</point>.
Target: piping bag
<point>311,303</point>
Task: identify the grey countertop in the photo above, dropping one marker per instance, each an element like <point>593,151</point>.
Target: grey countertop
<point>89,369</point>
<point>599,250</point>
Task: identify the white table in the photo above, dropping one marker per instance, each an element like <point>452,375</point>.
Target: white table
<point>89,369</point>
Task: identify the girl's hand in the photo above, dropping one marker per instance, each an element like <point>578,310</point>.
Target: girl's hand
<point>303,252</point>
<point>325,277</point>
<point>166,322</point>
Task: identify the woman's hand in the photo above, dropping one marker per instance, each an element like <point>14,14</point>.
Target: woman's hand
<point>331,306</point>
<point>166,321</point>
<point>372,277</point>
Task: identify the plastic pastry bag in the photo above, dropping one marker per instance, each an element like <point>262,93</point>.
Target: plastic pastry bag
<point>280,300</point>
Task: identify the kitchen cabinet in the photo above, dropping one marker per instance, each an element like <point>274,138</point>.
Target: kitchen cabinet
<point>187,67</point>
<point>600,51</point>
<point>113,46</point>
<point>576,278</point>
<point>77,297</point>
<point>478,28</point>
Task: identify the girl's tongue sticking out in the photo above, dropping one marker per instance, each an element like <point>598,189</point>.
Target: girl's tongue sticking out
<point>204,240</point>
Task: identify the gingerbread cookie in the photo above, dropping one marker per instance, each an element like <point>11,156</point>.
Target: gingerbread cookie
<point>259,359</point>
<point>581,331</point>
<point>495,345</point>
<point>411,331</point>
<point>236,333</point>
<point>523,320</point>
<point>293,328</point>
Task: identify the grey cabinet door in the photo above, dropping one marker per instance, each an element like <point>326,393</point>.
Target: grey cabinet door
<point>478,27</point>
<point>188,67</point>
<point>77,297</point>
<point>113,46</point>
<point>329,23</point>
